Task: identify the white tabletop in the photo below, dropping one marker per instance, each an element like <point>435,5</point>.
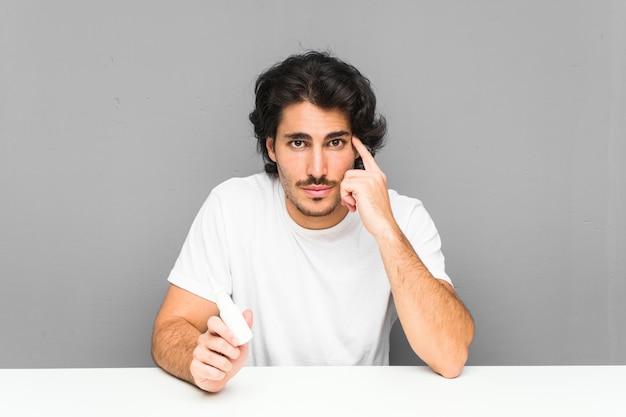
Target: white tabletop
<point>302,391</point>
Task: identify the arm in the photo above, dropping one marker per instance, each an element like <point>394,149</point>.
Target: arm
<point>438,326</point>
<point>191,342</point>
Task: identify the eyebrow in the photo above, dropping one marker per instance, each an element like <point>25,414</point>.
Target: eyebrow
<point>302,135</point>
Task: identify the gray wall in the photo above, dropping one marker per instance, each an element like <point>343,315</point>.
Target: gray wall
<point>508,119</point>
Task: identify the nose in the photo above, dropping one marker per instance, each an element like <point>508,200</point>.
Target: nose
<point>317,162</point>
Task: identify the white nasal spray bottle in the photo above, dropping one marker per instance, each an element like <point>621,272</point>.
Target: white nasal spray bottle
<point>230,313</point>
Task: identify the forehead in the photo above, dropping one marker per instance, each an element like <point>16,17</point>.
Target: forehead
<point>308,118</point>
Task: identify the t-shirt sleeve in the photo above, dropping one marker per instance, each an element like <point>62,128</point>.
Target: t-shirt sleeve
<point>424,237</point>
<point>203,252</point>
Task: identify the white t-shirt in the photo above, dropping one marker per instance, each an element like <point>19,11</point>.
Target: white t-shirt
<point>319,297</point>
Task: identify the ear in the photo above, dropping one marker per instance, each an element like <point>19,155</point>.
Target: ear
<point>269,145</point>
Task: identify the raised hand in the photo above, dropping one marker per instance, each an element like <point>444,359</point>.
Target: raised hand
<point>366,190</point>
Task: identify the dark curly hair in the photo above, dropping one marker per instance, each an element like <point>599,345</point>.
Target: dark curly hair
<point>323,80</point>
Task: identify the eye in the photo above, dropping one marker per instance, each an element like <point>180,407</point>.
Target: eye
<point>297,144</point>
<point>336,143</point>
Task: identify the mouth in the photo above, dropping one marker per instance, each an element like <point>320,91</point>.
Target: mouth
<point>316,191</point>
<point>316,188</point>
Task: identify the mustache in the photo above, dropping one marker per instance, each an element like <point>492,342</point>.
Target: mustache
<point>316,181</point>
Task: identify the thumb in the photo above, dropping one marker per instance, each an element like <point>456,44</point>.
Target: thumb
<point>247,314</point>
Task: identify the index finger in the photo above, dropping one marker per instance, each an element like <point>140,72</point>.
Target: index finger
<point>368,160</point>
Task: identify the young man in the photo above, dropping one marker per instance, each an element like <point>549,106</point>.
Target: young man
<point>323,254</point>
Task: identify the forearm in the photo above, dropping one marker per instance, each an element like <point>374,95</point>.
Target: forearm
<point>437,325</point>
<point>173,343</point>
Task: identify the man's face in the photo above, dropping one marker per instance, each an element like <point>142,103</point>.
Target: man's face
<point>313,150</point>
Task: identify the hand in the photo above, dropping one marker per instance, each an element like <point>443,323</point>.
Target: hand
<point>367,190</point>
<point>216,358</point>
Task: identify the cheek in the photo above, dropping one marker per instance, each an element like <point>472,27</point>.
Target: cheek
<point>288,167</point>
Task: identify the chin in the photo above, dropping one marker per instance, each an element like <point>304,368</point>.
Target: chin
<point>314,208</point>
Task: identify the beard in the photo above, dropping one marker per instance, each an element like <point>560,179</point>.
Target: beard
<point>321,211</point>
<point>321,206</point>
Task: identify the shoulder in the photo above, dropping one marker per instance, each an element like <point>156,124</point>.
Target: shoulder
<point>256,182</point>
<point>241,196</point>
<point>403,205</point>
<point>244,189</point>
<point>410,213</point>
